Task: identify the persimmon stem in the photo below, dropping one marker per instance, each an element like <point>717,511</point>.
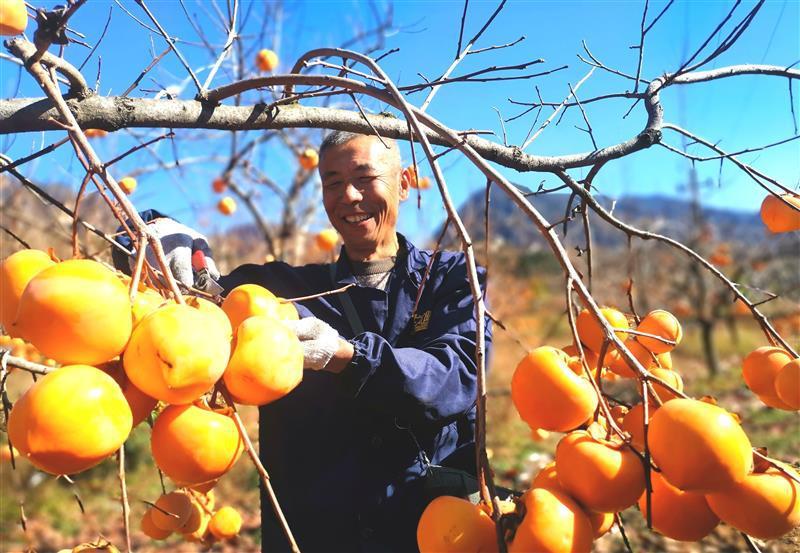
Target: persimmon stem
<point>648,482</point>
<point>262,472</point>
<point>141,248</point>
<point>621,525</point>
<point>75,248</point>
<point>777,465</point>
<point>25,365</point>
<point>601,400</point>
<point>320,295</point>
<point>751,545</point>
<point>126,508</point>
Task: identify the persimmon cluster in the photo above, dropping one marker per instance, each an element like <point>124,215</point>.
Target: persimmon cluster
<point>123,359</point>
<point>693,455</point>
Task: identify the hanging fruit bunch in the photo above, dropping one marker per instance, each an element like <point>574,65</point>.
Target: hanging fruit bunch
<point>688,464</point>
<point>125,357</point>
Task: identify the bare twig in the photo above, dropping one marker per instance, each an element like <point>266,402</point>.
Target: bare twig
<point>361,111</point>
<point>6,163</point>
<point>497,47</point>
<point>739,152</point>
<point>641,47</point>
<point>125,154</point>
<point>15,237</point>
<point>655,20</point>
<point>262,472</point>
<point>463,53</point>
<point>232,35</point>
<point>321,294</point>
<point>461,28</point>
<point>585,117</point>
<point>173,47</point>
<point>594,62</point>
<point>621,525</point>
<point>144,72</point>
<point>126,509</point>
<point>51,200</point>
<point>502,126</point>
<point>753,173</point>
<point>760,318</point>
<point>25,365</point>
<point>557,110</point>
<point>751,545</point>
<point>99,40</point>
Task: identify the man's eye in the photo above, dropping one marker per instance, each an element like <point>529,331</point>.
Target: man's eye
<point>331,184</point>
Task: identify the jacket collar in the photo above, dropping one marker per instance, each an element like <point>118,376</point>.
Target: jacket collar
<point>409,258</point>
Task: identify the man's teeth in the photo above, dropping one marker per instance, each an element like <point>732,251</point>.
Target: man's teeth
<point>356,218</point>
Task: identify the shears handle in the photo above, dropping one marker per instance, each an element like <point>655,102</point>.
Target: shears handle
<point>199,260</point>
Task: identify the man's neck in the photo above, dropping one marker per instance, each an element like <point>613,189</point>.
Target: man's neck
<point>383,251</point>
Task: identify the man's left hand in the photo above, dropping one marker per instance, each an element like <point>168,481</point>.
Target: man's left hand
<point>323,348</point>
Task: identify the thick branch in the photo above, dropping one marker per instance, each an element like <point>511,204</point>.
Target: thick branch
<point>113,113</point>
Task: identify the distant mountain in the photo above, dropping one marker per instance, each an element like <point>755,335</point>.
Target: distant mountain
<point>662,214</point>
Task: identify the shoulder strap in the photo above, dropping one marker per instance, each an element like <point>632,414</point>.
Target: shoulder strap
<point>349,309</point>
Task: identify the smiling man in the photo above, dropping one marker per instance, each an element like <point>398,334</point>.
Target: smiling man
<point>391,382</point>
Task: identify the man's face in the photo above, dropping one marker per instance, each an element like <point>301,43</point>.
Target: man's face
<point>362,187</point>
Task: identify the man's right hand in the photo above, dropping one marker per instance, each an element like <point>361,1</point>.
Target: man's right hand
<point>323,348</point>
<point>179,242</point>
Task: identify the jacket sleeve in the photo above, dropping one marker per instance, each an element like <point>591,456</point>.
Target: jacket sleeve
<point>119,259</point>
<point>436,379</point>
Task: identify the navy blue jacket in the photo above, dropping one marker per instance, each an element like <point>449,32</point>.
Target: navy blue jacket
<point>343,450</point>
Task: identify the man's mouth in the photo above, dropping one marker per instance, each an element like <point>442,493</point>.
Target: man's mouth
<point>355,219</point>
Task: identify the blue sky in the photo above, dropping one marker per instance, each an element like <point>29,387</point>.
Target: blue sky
<point>738,112</point>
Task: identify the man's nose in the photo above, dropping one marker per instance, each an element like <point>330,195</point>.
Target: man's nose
<point>351,193</point>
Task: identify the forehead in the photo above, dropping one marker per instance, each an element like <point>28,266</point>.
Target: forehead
<point>360,154</point>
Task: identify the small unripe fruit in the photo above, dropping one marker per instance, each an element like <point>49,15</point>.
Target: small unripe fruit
<point>309,159</point>
<point>219,185</point>
<point>128,185</point>
<point>225,523</point>
<point>227,205</point>
<point>95,133</point>
<point>266,60</point>
<point>326,239</point>
<point>151,530</point>
<point>172,511</point>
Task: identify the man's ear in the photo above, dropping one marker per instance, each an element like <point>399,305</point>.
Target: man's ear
<point>407,176</point>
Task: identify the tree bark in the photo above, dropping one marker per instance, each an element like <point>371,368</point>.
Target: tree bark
<point>115,112</point>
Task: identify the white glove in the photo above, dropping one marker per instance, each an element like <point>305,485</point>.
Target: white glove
<point>179,242</point>
<point>318,339</point>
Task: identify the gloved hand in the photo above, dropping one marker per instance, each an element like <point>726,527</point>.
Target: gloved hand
<point>179,242</point>
<point>318,339</point>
